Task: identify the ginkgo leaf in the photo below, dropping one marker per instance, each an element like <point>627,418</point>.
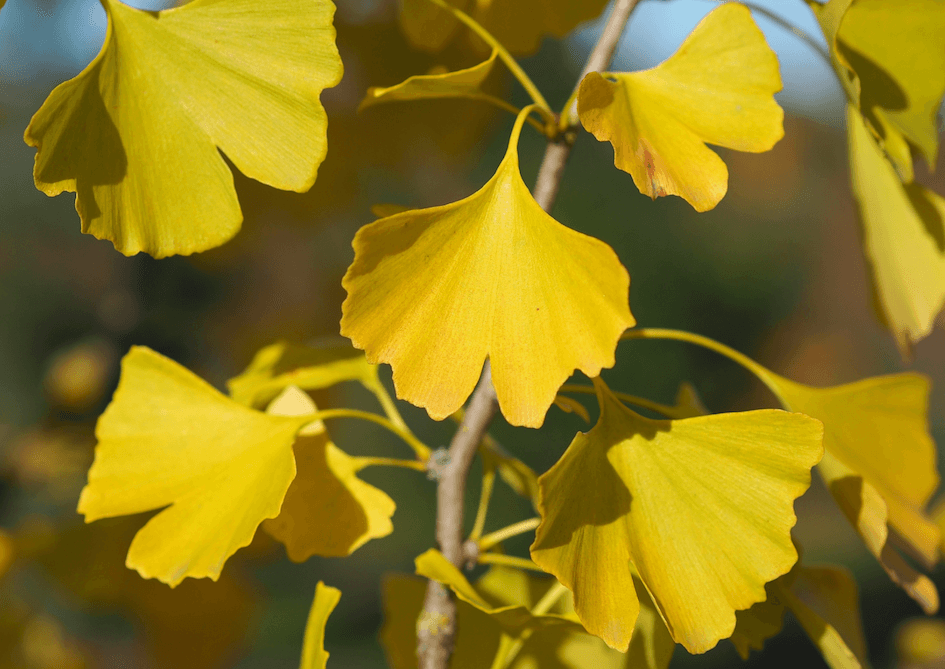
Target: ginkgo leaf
<point>479,635</point>
<point>755,625</point>
<point>168,439</point>
<point>718,88</point>
<point>703,507</point>
<point>519,25</point>
<point>517,475</point>
<point>894,58</point>
<point>327,510</point>
<point>136,134</point>
<point>880,465</point>
<point>6,545</point>
<point>903,236</point>
<point>433,565</point>
<point>826,603</point>
<point>283,364</point>
<point>314,655</point>
<point>465,83</point>
<point>434,292</point>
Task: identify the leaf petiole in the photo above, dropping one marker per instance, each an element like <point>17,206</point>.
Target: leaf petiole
<point>623,397</point>
<point>497,537</point>
<point>421,449</point>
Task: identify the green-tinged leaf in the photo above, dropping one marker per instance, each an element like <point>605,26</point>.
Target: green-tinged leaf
<point>168,439</point>
<point>479,635</point>
<point>282,364</point>
<point>718,88</point>
<point>138,134</point>
<point>314,655</point>
<point>517,617</point>
<point>903,236</point>
<point>703,508</point>
<point>895,57</point>
<point>459,84</point>
<point>825,601</point>
<point>555,300</point>
<point>327,510</point>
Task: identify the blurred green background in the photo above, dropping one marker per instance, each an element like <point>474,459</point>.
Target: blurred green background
<point>775,270</point>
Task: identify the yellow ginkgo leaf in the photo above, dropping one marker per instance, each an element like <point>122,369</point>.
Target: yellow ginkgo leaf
<point>893,56</point>
<point>434,292</point>
<point>880,465</point>
<point>903,236</point>
<point>465,83</point>
<point>428,26</point>
<point>314,655</point>
<point>517,617</point>
<point>138,134</point>
<point>283,364</point>
<point>328,510</point>
<point>169,438</point>
<point>718,88</point>
<point>479,636</point>
<point>703,508</point>
<point>6,553</point>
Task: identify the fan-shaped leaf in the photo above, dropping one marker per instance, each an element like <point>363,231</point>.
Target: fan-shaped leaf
<point>702,507</point>
<point>717,89</point>
<point>434,292</point>
<point>168,439</point>
<point>136,134</point>
<point>327,510</point>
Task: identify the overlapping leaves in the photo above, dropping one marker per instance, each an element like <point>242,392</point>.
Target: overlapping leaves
<point>716,89</point>
<point>136,134</point>
<point>434,292</point>
<point>168,438</point>
<point>700,505</point>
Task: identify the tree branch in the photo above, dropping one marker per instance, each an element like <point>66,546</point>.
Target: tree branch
<point>436,627</point>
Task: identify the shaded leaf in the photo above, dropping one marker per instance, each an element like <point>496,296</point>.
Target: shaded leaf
<point>427,26</point>
<point>903,237</point>
<point>168,439</point>
<point>479,635</point>
<point>284,364</point>
<point>555,300</point>
<point>327,510</point>
<point>314,655</point>
<point>718,88</point>
<point>702,507</point>
<point>571,405</point>
<point>138,133</point>
<point>518,476</point>
<point>433,565</point>
<point>459,84</point>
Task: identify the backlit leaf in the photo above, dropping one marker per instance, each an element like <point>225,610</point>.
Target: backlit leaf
<point>903,236</point>
<point>880,465</point>
<point>702,507</point>
<point>168,439</point>
<point>459,84</point>
<point>433,565</point>
<point>314,655</point>
<point>479,635</point>
<point>138,134</point>
<point>327,510</point>
<point>718,88</point>
<point>895,58</point>
<point>427,26</point>
<point>283,364</point>
<point>434,292</point>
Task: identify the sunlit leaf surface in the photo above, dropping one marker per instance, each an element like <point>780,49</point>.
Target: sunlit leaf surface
<point>880,465</point>
<point>702,507</point>
<point>718,88</point>
<point>168,439</point>
<point>903,236</point>
<point>283,364</point>
<point>328,510</point>
<point>459,84</point>
<point>434,292</point>
<point>314,655</point>
<point>138,134</point>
